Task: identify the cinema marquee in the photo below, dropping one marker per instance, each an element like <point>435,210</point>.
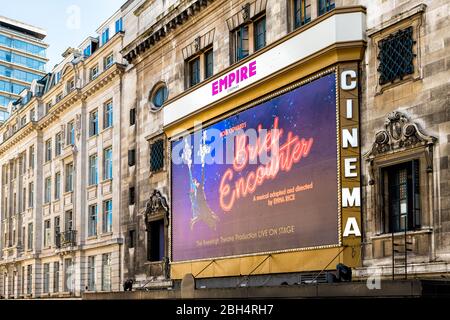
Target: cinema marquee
<point>302,213</point>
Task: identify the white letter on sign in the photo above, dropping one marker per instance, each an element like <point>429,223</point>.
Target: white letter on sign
<point>349,113</point>
<point>349,167</point>
<point>352,199</point>
<point>344,83</point>
<point>350,138</point>
<point>351,228</point>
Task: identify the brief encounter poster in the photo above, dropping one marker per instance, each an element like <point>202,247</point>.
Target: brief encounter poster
<point>288,201</point>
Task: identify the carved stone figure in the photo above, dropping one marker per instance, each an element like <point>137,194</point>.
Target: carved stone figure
<point>157,204</point>
<point>246,12</point>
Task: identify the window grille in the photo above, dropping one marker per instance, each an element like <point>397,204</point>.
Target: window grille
<point>396,57</point>
<point>157,155</point>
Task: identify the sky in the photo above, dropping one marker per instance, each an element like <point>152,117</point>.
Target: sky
<point>67,22</point>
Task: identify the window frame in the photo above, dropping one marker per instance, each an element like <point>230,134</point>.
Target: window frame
<point>154,93</point>
<point>208,52</point>
<point>107,225</point>
<point>69,173</point>
<point>238,42</point>
<point>300,17</point>
<point>163,151</point>
<point>30,195</point>
<point>391,222</point>
<point>108,115</point>
<point>108,61</point>
<point>48,150</point>
<point>47,233</point>
<point>58,144</point>
<point>194,71</point>
<point>71,133</point>
<point>57,191</point>
<point>106,272</point>
<point>91,285</point>
<point>237,39</point>
<point>119,25</point>
<point>56,277</point>
<point>105,36</point>
<point>93,176</point>
<point>93,123</point>
<point>256,21</point>
<point>48,190</point>
<point>107,163</point>
<point>94,75</point>
<point>92,223</point>
<point>328,6</point>
<point>30,240</point>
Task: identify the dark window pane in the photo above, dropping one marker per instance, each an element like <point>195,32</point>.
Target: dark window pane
<point>402,196</point>
<point>132,196</point>
<point>325,6</point>
<point>302,12</point>
<point>132,116</point>
<point>260,33</point>
<point>159,98</point>
<point>209,64</point>
<point>242,46</point>
<point>194,71</point>
<point>155,238</point>
<point>131,157</point>
<point>132,235</point>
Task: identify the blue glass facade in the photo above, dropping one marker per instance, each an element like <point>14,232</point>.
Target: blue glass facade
<point>20,63</point>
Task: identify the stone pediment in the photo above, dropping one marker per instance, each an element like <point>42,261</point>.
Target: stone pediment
<point>399,133</point>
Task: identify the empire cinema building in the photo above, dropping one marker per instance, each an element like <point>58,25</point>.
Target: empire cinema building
<point>338,118</point>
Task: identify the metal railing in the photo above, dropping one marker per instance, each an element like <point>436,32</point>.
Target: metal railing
<point>66,239</point>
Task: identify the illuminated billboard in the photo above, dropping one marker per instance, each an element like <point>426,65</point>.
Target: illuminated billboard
<point>276,191</point>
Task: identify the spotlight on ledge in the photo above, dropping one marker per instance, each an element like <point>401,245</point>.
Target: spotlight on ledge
<point>343,274</point>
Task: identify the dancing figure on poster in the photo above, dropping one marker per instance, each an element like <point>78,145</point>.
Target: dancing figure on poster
<point>200,208</point>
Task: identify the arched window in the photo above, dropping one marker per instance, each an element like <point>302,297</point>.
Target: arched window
<point>158,97</point>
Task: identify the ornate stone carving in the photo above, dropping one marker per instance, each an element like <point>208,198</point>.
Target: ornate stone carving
<point>246,12</point>
<point>399,133</point>
<point>197,44</point>
<point>157,204</point>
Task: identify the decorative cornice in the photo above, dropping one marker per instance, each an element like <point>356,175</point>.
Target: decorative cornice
<point>19,135</point>
<point>103,79</point>
<point>58,108</point>
<point>69,100</point>
<point>145,42</point>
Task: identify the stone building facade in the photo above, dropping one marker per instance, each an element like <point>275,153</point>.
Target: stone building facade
<point>165,65</point>
<point>412,109</point>
<point>169,52</point>
<point>412,114</point>
<point>60,210</point>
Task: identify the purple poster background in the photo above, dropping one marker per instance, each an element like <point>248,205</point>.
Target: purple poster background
<point>298,208</point>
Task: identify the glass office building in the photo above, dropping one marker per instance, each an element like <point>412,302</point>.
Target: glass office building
<point>22,59</point>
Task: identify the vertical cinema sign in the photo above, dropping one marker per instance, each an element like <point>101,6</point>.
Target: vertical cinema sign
<point>348,84</point>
